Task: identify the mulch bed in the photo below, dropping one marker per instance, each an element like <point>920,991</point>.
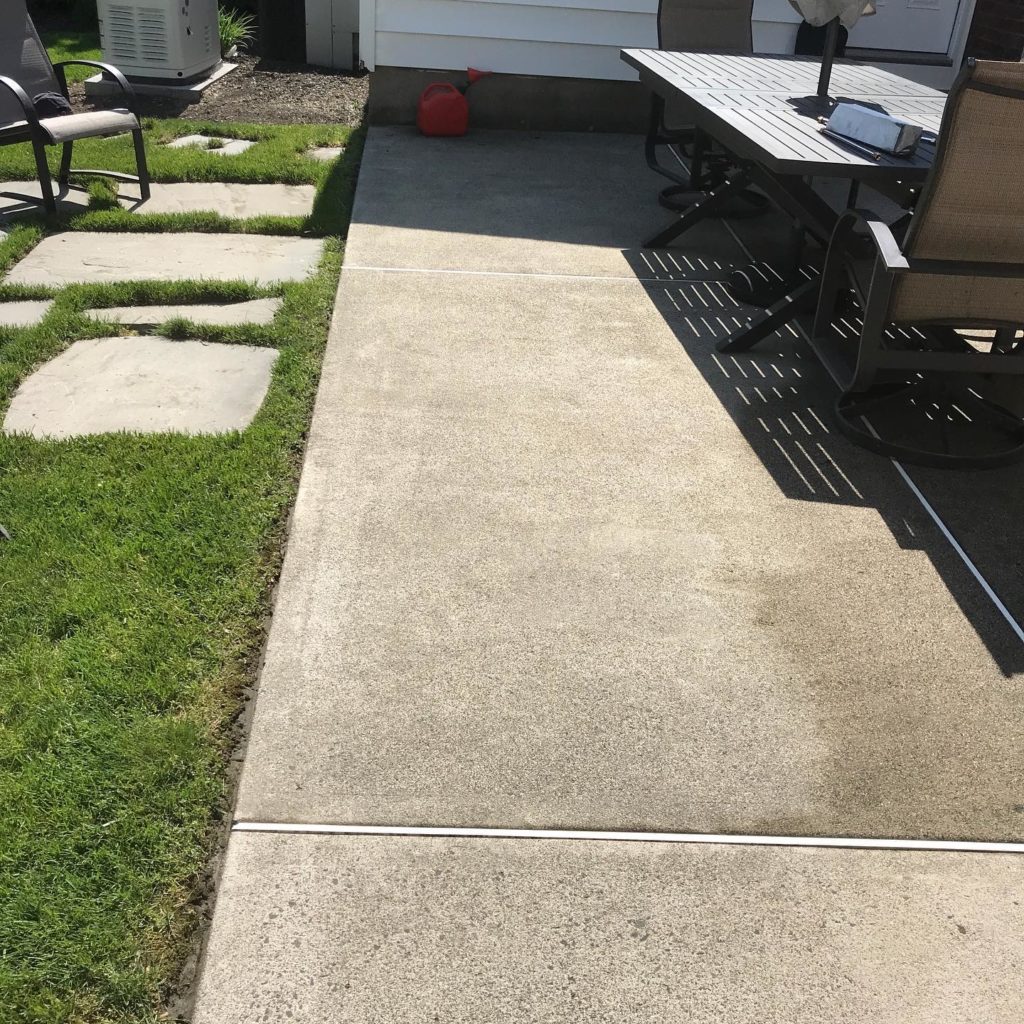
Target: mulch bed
<point>268,92</point>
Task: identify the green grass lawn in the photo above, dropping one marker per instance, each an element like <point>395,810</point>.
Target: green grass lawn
<point>132,600</point>
<point>68,44</point>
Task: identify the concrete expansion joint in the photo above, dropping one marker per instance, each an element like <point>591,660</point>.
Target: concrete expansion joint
<point>671,277</point>
<point>587,835</point>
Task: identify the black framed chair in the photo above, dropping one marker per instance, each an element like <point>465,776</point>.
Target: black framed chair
<point>27,73</point>
<point>948,298</point>
<point>692,25</point>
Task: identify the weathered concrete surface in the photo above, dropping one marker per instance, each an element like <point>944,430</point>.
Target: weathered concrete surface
<point>227,147</point>
<point>230,199</point>
<point>325,154</point>
<point>333,929</point>
<point>83,257</point>
<point>23,314</point>
<point>508,202</point>
<point>257,311</point>
<point>106,385</point>
<point>556,563</point>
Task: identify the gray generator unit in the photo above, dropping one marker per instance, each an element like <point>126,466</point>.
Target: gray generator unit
<point>166,40</point>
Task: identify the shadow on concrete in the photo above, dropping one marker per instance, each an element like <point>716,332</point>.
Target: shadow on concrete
<point>781,400</point>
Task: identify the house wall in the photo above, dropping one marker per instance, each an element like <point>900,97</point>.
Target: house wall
<point>997,32</point>
<point>560,38</point>
<point>566,38</point>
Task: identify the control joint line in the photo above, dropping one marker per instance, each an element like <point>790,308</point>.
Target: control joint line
<point>692,838</point>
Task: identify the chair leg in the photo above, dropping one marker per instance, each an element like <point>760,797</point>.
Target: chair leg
<point>43,171</point>
<point>64,177</point>
<point>142,166</point>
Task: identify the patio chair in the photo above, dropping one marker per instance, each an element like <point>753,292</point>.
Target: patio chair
<point>693,25</point>
<point>25,74</point>
<point>958,271</point>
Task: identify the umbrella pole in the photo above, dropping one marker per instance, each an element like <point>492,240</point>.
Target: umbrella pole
<point>828,56</point>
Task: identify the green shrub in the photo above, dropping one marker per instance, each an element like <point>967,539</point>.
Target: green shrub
<point>236,29</point>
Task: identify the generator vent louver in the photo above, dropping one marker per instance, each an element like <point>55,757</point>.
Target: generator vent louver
<point>138,35</point>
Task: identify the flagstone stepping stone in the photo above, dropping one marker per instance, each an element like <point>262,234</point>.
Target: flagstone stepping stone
<point>258,311</point>
<point>87,257</point>
<point>144,384</point>
<point>23,314</point>
<point>227,199</point>
<point>227,147</point>
<point>18,198</point>
<point>325,153</point>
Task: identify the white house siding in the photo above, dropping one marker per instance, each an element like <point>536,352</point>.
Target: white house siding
<point>562,38</point>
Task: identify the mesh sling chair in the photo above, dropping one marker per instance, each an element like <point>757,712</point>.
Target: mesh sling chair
<point>959,270</point>
<point>693,25</point>
<point>25,73</point>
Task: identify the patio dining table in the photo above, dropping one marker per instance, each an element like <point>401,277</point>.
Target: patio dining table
<point>762,109</point>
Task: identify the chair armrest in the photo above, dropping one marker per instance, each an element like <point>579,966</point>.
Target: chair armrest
<point>27,106</point>
<point>107,69</point>
<point>886,246</point>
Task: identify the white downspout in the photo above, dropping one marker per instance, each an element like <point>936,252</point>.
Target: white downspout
<point>368,33</point>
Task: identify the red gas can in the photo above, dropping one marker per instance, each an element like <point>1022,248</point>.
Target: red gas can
<point>443,110</point>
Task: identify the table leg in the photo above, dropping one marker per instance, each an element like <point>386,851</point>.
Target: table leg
<point>801,300</point>
<point>706,207</point>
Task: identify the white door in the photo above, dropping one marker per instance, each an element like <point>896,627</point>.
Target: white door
<point>921,26</point>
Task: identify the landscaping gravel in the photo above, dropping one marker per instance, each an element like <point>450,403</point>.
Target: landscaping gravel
<point>270,93</point>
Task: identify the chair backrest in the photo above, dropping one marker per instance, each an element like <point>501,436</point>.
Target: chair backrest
<point>22,58</point>
<point>972,206</point>
<point>705,25</point>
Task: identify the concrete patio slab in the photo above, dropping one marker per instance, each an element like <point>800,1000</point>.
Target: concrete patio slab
<point>108,385</point>
<point>23,314</point>
<point>257,311</point>
<point>556,563</point>
<point>229,199</point>
<point>83,257</point>
<point>509,202</point>
<point>335,929</point>
<point>226,147</point>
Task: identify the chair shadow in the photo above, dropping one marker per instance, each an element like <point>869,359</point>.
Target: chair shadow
<point>781,400</point>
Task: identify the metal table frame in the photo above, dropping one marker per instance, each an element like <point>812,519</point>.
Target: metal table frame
<point>744,102</point>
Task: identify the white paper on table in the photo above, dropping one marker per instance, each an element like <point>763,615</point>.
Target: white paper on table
<point>821,12</point>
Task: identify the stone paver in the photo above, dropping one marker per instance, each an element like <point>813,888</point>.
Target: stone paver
<point>23,314</point>
<point>333,929</point>
<point>21,197</point>
<point>106,385</point>
<point>226,198</point>
<point>228,147</point>
<point>98,257</point>
<point>258,311</point>
<point>325,154</point>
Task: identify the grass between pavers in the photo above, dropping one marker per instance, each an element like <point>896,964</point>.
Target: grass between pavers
<point>278,155</point>
<point>278,158</point>
<point>132,602</point>
<point>71,44</point>
<point>132,598</point>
